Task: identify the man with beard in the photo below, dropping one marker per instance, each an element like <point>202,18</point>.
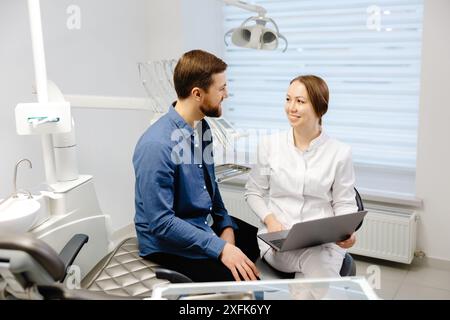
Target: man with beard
<point>181,221</point>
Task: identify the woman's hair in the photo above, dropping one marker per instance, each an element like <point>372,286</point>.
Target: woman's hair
<point>318,93</point>
<point>195,69</point>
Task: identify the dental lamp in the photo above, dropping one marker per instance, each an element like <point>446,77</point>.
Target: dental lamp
<point>258,35</point>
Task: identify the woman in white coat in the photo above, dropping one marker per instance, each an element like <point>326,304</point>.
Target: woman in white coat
<point>301,175</point>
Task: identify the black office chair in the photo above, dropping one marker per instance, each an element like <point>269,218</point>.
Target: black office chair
<point>348,265</point>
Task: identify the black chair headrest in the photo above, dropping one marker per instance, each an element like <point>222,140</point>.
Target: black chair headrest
<point>37,249</point>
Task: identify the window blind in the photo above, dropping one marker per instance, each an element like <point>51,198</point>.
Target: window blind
<point>367,51</point>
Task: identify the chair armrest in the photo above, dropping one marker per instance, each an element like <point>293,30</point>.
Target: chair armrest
<point>170,275</point>
<point>71,250</point>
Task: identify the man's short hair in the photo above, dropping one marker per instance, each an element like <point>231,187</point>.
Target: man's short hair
<point>195,69</point>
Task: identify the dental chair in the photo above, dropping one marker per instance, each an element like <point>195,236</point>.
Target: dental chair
<point>31,269</point>
<point>348,268</point>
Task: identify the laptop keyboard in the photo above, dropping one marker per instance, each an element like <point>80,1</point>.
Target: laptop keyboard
<point>277,243</point>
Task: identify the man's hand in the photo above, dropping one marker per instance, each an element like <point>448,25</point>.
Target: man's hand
<point>347,243</point>
<point>228,235</point>
<point>238,263</point>
<point>272,223</point>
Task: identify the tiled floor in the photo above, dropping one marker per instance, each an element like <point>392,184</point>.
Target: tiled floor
<point>404,282</point>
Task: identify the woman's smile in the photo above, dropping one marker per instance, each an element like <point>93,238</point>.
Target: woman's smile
<point>293,117</point>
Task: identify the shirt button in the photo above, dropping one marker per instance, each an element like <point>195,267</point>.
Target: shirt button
<point>200,166</point>
<point>196,145</point>
<point>204,187</point>
<point>206,222</point>
<point>210,208</point>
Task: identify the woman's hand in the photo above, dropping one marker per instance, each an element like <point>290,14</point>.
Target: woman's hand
<point>347,243</point>
<point>273,224</point>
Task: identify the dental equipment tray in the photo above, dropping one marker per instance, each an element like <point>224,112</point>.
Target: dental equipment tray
<point>228,171</point>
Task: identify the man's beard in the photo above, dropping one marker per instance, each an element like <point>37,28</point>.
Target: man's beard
<point>210,111</point>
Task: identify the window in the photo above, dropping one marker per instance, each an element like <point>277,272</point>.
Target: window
<point>367,51</point>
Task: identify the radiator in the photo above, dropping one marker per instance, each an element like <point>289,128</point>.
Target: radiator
<point>387,232</point>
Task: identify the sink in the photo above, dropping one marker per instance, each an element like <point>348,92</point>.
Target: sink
<point>19,214</point>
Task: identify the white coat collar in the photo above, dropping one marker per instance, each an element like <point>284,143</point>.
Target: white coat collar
<point>316,142</point>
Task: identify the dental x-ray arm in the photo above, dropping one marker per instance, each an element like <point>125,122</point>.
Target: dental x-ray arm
<point>247,6</point>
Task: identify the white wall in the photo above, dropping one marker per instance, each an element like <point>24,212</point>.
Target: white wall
<point>176,26</point>
<point>16,78</point>
<point>202,25</point>
<point>433,161</point>
<point>99,59</point>
<point>164,38</point>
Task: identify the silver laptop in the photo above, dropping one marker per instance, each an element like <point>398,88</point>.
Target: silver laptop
<point>314,232</point>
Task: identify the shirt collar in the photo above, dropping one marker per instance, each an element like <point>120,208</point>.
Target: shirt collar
<point>186,129</point>
<point>316,142</point>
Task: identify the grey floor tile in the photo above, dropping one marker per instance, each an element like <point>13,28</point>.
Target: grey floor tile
<point>388,289</point>
<point>429,277</point>
<point>390,272</point>
<point>409,291</point>
<point>387,285</point>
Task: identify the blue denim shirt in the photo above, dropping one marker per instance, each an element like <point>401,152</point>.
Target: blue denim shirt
<point>171,195</point>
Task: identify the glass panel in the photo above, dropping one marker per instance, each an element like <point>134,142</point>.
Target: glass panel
<point>355,288</point>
